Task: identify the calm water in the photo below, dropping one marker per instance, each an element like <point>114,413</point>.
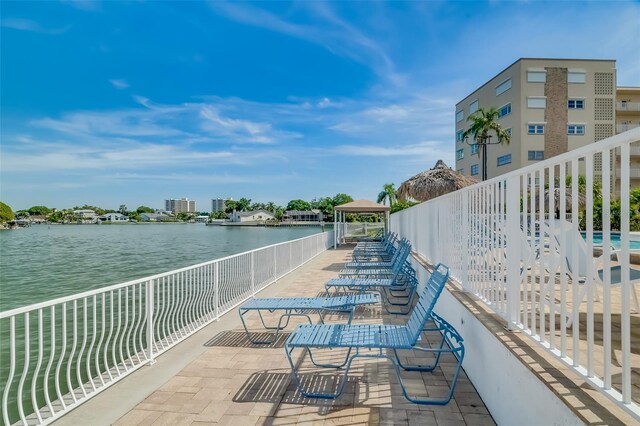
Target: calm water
<point>48,261</point>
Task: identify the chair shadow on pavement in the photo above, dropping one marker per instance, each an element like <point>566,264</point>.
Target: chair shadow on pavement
<point>238,339</point>
<point>276,386</point>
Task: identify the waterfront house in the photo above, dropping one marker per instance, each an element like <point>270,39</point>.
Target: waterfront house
<point>302,216</point>
<point>86,216</point>
<point>153,217</point>
<point>253,216</point>
<point>201,219</point>
<point>113,217</point>
<point>38,219</point>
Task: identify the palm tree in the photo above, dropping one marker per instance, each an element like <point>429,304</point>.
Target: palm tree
<point>482,122</point>
<point>243,204</point>
<point>388,193</point>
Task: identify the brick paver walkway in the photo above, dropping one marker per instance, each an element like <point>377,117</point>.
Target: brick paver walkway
<point>238,383</point>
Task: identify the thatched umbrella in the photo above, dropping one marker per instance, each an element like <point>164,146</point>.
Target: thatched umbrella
<point>433,183</point>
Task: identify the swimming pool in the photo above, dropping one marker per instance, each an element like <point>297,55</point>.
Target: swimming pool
<point>615,240</point>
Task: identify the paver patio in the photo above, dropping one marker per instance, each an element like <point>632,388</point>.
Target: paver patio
<point>232,381</point>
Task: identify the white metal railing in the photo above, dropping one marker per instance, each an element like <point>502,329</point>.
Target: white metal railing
<point>58,354</point>
<point>537,271</point>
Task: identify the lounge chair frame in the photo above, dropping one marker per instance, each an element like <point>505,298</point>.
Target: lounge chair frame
<point>302,307</point>
<point>374,341</point>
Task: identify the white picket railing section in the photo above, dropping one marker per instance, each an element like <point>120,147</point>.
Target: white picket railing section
<point>65,351</point>
<point>536,269</point>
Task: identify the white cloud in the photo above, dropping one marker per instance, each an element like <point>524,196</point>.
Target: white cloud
<point>328,31</point>
<point>119,84</point>
<point>212,121</point>
<point>44,157</point>
<point>396,150</point>
<point>324,103</point>
<point>30,25</point>
<point>86,5</point>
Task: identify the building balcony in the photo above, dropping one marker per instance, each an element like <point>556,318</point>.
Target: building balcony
<point>634,173</point>
<point>628,106</point>
<point>621,128</point>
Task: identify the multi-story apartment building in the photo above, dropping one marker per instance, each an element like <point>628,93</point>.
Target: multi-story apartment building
<point>180,205</point>
<point>217,204</point>
<point>549,106</point>
<point>627,118</point>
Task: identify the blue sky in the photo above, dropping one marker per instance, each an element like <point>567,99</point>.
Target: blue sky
<point>110,103</point>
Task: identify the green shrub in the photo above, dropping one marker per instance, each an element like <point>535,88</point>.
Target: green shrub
<point>6,214</point>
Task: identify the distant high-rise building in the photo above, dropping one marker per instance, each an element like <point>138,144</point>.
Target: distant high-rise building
<point>180,205</point>
<point>217,204</point>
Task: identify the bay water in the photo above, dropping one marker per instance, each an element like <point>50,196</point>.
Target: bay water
<point>44,262</point>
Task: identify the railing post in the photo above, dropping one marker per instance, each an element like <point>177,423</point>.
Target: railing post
<point>216,281</point>
<point>253,275</point>
<point>465,240</point>
<point>275,263</point>
<point>150,302</point>
<point>513,253</point>
<point>335,229</point>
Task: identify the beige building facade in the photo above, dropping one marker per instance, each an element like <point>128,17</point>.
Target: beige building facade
<point>548,106</point>
<point>627,118</point>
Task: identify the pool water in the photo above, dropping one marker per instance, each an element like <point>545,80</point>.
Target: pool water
<point>615,240</point>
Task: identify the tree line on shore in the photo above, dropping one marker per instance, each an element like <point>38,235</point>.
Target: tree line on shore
<point>323,204</point>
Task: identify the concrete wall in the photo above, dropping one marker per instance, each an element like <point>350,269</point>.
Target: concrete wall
<point>512,393</point>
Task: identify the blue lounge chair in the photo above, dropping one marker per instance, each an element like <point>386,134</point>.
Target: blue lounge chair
<point>376,242</point>
<point>373,341</point>
<point>401,286</point>
<point>387,240</point>
<point>378,272</point>
<point>302,307</point>
<point>404,248</point>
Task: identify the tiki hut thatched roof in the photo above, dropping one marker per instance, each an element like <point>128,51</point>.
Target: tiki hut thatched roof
<point>433,183</point>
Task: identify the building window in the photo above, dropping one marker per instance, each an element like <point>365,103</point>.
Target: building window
<point>460,154</point>
<point>504,159</point>
<point>576,77</point>
<point>475,169</point>
<point>505,110</point>
<point>575,129</point>
<point>536,76</point>
<point>503,87</point>
<point>534,102</point>
<point>474,149</point>
<point>473,107</point>
<point>535,129</point>
<point>459,135</point>
<point>576,104</point>
<point>535,155</point>
<point>459,116</point>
